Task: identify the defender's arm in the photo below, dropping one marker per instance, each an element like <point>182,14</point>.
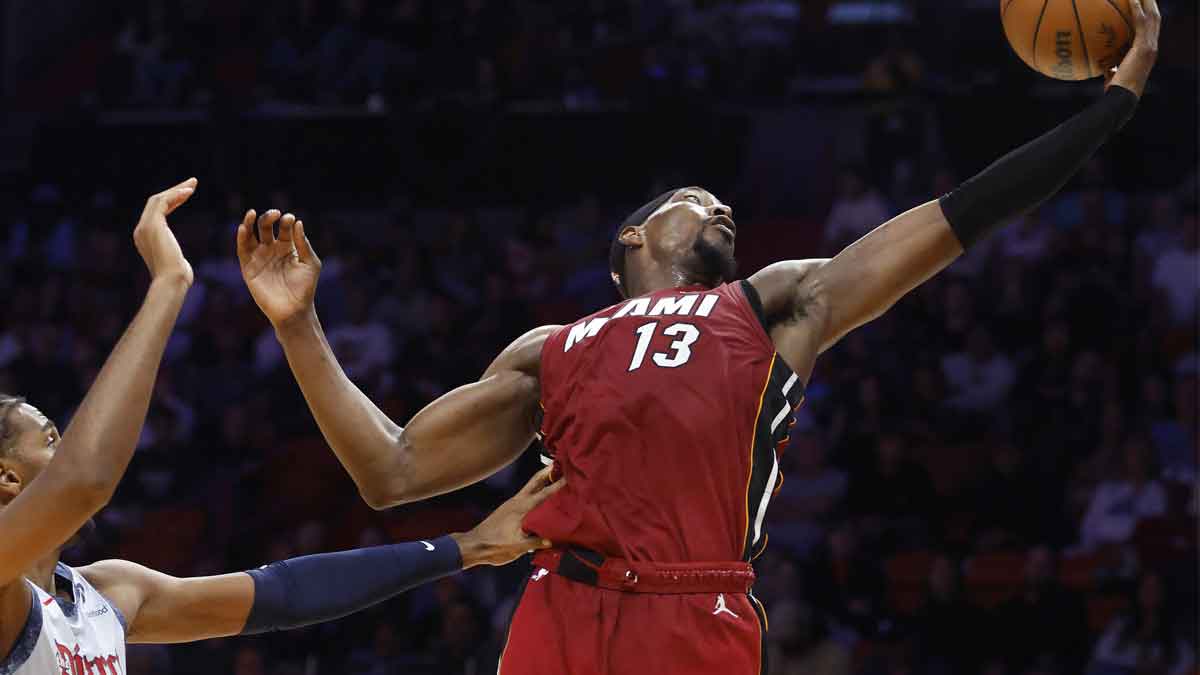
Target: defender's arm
<point>99,442</point>
<point>303,591</point>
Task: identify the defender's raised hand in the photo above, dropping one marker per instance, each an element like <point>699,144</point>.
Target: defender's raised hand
<point>154,239</point>
<point>280,271</point>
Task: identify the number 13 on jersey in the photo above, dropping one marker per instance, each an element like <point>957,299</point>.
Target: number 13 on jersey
<point>680,350</point>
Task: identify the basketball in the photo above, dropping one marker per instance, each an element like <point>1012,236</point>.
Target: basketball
<point>1068,39</point>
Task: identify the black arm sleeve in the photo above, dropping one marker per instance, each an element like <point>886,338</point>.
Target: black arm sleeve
<point>1031,174</point>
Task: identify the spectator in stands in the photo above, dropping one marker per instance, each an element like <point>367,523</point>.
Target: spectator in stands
<point>1017,289</point>
<point>364,345</point>
<point>811,494</point>
<point>1176,438</point>
<point>1119,503</point>
<point>1027,240</point>
<point>383,657</point>
<point>1177,272</point>
<point>764,31</point>
<point>947,627</point>
<point>249,661</point>
<point>858,418</point>
<point>460,645</point>
<point>1147,639</point>
<point>857,209</point>
<point>979,377</point>
<point>1102,462</point>
<point>923,416</point>
<point>160,69</point>
<point>47,235</point>
<point>799,643</point>
<point>1161,227</point>
<point>1044,624</point>
<point>958,315</point>
<point>848,586</point>
<point>1044,378</point>
<point>1013,504</point>
<point>893,498</point>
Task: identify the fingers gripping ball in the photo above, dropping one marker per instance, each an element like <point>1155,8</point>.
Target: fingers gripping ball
<point>1068,39</point>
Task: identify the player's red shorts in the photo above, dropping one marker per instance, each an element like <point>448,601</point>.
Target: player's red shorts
<point>568,626</point>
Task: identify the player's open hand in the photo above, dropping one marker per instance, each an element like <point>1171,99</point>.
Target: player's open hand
<point>156,242</point>
<point>1135,67</point>
<point>499,539</point>
<point>280,271</point>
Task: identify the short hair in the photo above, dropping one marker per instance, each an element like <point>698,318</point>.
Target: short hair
<point>616,253</point>
<point>8,403</point>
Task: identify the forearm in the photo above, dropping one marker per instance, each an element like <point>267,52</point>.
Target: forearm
<point>316,588</point>
<point>1031,174</point>
<point>103,433</point>
<point>364,439</point>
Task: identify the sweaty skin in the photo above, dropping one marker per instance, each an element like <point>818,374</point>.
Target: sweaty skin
<point>473,431</point>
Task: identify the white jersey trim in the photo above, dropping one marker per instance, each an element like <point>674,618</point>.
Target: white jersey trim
<point>22,649</point>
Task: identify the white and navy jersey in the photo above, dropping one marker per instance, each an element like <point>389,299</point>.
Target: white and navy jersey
<point>85,636</point>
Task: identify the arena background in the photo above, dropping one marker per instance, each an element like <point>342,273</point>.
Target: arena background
<point>952,494</point>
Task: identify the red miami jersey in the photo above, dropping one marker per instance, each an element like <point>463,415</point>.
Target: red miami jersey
<point>666,414</point>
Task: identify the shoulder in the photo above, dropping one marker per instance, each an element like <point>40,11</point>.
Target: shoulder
<point>788,287</point>
<point>524,354</point>
<point>124,586</point>
<point>535,337</point>
<point>120,581</point>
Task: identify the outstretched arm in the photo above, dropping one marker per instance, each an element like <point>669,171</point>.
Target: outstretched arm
<point>303,591</point>
<point>869,276</point>
<point>99,442</point>
<point>467,434</point>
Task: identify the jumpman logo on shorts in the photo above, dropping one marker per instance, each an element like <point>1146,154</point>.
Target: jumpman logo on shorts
<point>722,608</point>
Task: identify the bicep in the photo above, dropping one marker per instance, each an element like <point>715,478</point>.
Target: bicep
<point>475,430</point>
<point>870,275</point>
<point>467,435</point>
<point>163,609</point>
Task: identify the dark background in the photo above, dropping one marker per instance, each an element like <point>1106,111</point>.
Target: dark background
<point>999,476</point>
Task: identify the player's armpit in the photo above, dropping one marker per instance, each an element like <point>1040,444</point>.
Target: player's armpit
<point>163,609</point>
<point>870,275</point>
<point>473,431</point>
<point>794,311</point>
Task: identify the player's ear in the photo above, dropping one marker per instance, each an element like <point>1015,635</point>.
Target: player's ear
<point>632,236</point>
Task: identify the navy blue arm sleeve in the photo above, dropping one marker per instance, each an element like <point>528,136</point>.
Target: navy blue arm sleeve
<point>315,588</point>
<point>1031,174</point>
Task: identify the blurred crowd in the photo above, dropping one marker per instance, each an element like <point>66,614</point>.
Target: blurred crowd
<point>397,54</point>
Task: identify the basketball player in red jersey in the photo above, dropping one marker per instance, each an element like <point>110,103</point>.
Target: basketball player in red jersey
<point>664,412</point>
<point>59,620</point>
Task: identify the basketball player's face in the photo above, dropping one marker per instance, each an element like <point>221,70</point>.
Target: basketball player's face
<point>32,442</point>
<point>695,232</point>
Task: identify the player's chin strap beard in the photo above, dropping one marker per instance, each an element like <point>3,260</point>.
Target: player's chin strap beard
<point>715,267</point>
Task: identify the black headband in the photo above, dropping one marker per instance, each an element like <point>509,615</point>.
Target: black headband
<point>616,254</point>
